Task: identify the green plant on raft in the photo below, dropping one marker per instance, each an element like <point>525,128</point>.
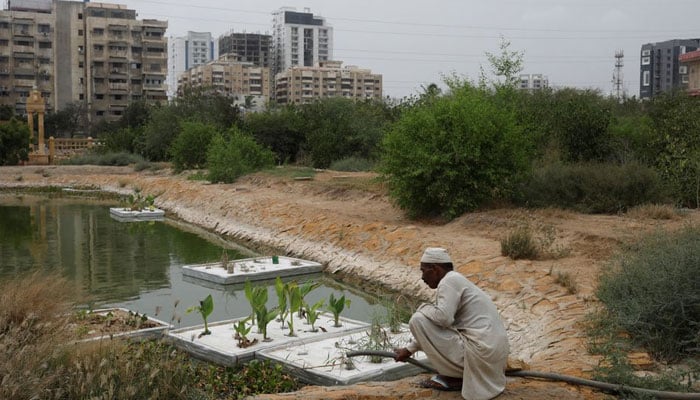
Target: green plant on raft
<point>264,317</point>
<point>242,330</point>
<point>205,308</point>
<point>248,291</point>
<point>336,306</point>
<point>281,299</point>
<point>313,312</point>
<point>295,303</point>
<point>305,289</point>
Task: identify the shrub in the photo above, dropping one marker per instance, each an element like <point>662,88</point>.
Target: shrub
<point>520,243</point>
<point>228,159</point>
<point>189,149</point>
<point>14,142</point>
<point>652,291</point>
<point>113,158</point>
<point>453,154</point>
<point>592,187</point>
<point>352,164</point>
<point>653,211</point>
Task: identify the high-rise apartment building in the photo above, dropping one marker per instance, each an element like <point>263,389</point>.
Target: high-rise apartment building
<point>299,39</point>
<point>660,69</point>
<point>235,79</point>
<point>247,47</point>
<point>186,52</point>
<point>94,54</point>
<point>299,85</point>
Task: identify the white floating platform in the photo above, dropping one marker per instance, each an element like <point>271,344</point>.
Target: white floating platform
<point>323,362</point>
<point>221,347</point>
<point>153,332</point>
<point>126,214</point>
<point>252,269</point>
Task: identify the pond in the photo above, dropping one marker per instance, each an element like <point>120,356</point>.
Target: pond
<point>136,265</point>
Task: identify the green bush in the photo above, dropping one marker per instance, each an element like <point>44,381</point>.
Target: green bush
<point>230,158</point>
<point>121,140</point>
<point>189,149</point>
<point>453,154</point>
<point>592,187</point>
<point>652,291</point>
<point>14,142</point>
<point>352,164</point>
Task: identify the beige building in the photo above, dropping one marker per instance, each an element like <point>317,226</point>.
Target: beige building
<point>233,78</point>
<point>299,85</point>
<point>690,63</point>
<point>95,54</point>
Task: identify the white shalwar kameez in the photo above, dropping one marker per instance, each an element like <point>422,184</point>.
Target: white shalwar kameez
<point>462,335</point>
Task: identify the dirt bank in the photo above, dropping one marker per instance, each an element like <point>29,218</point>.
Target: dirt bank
<point>360,237</point>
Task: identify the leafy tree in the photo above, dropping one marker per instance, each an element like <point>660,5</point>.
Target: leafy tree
<point>677,143</point>
<point>229,158</point>
<point>158,133</point>
<point>122,140</point>
<point>278,129</point>
<point>189,149</point>
<point>453,154</point>
<point>71,120</point>
<point>582,118</point>
<point>338,128</point>
<point>507,66</point>
<point>6,112</point>
<point>207,106</point>
<point>14,142</point>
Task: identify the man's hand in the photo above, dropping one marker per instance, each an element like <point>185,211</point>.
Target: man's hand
<point>402,354</point>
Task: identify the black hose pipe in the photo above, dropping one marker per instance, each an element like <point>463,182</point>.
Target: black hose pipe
<point>608,387</point>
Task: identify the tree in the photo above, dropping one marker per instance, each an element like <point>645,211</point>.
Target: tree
<point>158,133</point>
<point>14,142</point>
<point>453,154</point>
<point>230,157</point>
<point>208,106</point>
<point>72,120</point>
<point>338,128</point>
<point>506,65</point>
<point>189,149</point>
<point>582,118</point>
<point>279,130</point>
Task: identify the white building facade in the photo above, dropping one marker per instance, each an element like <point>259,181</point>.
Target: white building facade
<point>197,48</point>
<point>299,39</point>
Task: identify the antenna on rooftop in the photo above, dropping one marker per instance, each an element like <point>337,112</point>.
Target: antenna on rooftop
<point>617,81</point>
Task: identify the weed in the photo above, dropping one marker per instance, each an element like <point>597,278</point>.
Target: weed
<point>19,178</point>
<point>565,280</point>
<point>519,243</point>
<point>653,211</point>
<point>197,176</point>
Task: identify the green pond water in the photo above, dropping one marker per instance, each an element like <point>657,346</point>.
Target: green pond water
<point>136,265</point>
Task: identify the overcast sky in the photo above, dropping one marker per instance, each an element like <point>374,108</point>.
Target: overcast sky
<point>414,43</point>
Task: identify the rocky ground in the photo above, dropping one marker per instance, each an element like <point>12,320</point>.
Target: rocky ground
<point>363,239</point>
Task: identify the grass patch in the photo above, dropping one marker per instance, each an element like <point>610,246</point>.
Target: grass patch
<point>113,159</point>
<point>653,211</point>
<point>198,176</point>
<point>565,280</point>
<point>352,164</point>
<point>288,171</point>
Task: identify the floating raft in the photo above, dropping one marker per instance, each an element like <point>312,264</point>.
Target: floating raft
<point>221,346</point>
<point>323,362</point>
<point>137,334</point>
<point>251,269</point>
<point>126,214</point>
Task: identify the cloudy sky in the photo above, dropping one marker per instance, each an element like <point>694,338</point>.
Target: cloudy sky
<point>414,43</point>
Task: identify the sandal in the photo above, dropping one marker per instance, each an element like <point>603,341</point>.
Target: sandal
<point>438,382</point>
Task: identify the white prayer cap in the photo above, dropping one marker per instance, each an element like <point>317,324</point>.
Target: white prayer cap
<point>435,255</point>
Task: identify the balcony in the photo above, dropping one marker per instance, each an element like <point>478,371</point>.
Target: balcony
<point>118,86</point>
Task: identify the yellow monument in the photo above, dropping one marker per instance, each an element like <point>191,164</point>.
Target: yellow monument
<point>35,104</point>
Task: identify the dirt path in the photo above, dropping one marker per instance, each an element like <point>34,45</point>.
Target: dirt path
<point>363,239</point>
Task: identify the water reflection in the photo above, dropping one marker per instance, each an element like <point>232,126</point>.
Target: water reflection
<point>136,265</point>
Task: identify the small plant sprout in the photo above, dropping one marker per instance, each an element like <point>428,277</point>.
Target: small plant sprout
<point>264,317</point>
<point>224,260</point>
<point>312,313</point>
<point>205,308</point>
<point>248,290</point>
<point>242,331</point>
<point>281,299</point>
<point>295,302</point>
<point>336,306</point>
<point>305,289</point>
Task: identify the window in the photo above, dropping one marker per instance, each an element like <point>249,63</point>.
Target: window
<point>683,69</point>
<point>81,64</point>
<point>80,15</point>
<point>81,96</point>
<point>80,32</point>
<point>684,79</point>
<point>646,60</point>
<point>645,78</point>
